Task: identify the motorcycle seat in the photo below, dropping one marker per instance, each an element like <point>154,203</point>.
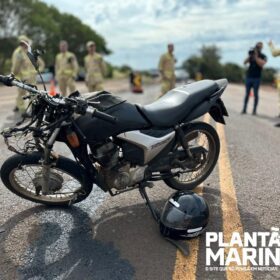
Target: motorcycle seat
<point>175,105</point>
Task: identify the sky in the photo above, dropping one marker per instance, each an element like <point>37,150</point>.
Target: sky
<point>137,31</point>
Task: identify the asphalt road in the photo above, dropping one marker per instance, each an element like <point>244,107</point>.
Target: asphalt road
<point>115,237</point>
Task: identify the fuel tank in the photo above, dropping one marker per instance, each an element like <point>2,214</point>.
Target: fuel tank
<point>126,113</point>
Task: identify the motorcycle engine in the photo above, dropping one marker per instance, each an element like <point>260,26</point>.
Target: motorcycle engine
<point>114,173</point>
<point>107,155</point>
<point>122,177</point>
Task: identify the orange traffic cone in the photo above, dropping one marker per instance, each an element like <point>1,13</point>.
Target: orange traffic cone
<point>52,91</point>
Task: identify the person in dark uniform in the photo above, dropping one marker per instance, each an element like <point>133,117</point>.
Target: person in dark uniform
<point>256,60</point>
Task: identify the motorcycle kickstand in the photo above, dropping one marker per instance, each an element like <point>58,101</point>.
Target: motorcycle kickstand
<point>155,213</point>
<point>181,245</point>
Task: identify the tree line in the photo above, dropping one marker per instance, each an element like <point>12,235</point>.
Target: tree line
<point>46,26</point>
<point>208,63</point>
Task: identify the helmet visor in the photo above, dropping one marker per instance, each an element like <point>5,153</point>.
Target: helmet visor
<point>174,218</point>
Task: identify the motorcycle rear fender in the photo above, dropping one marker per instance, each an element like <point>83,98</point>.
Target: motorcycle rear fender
<point>214,106</point>
<point>218,111</point>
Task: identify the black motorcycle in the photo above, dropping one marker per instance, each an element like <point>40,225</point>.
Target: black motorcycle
<point>116,145</point>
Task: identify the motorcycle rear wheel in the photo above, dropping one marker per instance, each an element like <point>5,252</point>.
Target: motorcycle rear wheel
<point>202,129</point>
<point>19,172</point>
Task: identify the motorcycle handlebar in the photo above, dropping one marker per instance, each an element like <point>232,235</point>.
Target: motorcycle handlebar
<point>105,117</point>
<point>6,80</point>
<point>11,81</point>
<point>100,115</point>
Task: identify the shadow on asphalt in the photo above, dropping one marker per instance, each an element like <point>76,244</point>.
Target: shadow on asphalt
<point>123,244</point>
<point>110,248</point>
<point>268,118</point>
<point>84,257</point>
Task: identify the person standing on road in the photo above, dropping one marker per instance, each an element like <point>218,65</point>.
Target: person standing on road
<point>167,70</point>
<point>95,68</point>
<point>66,69</point>
<point>276,52</point>
<point>23,69</point>
<point>131,79</point>
<point>256,60</point>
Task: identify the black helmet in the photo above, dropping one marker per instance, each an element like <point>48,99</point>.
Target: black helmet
<point>185,215</point>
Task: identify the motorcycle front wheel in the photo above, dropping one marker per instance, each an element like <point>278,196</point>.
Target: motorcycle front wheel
<point>202,138</point>
<point>22,174</point>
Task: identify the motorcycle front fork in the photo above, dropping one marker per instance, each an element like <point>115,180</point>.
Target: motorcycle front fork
<point>47,162</point>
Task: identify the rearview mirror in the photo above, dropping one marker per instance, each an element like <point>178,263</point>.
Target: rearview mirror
<point>31,56</point>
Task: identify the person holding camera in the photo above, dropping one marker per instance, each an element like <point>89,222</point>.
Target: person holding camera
<point>256,60</point>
